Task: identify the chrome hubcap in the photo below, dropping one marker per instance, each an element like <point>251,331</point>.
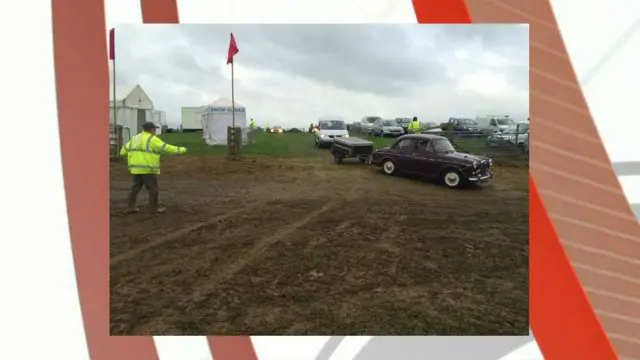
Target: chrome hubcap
<point>388,167</point>
<point>452,179</point>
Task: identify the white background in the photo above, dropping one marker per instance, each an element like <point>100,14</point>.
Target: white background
<point>39,293</point>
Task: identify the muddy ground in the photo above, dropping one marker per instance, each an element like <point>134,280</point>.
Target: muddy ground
<point>304,246</point>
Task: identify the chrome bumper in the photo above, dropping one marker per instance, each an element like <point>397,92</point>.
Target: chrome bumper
<point>481,178</point>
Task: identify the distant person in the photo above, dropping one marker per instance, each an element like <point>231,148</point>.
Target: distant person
<point>267,128</point>
<point>311,128</point>
<point>252,129</point>
<point>414,126</point>
<point>143,158</point>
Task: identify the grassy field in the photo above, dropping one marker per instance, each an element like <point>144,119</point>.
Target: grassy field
<point>280,145</point>
<point>302,144</point>
<point>285,242</point>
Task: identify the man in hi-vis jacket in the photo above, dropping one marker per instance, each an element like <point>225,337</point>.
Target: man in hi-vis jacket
<point>143,157</point>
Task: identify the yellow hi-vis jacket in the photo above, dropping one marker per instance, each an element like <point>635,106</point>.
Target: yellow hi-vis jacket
<point>252,124</point>
<point>143,153</point>
<point>414,126</point>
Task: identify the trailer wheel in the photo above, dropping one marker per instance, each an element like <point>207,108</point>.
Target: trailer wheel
<point>337,159</point>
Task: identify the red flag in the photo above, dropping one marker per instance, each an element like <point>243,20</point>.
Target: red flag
<point>233,49</point>
<point>112,44</point>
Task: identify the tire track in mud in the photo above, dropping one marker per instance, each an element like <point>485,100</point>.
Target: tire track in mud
<point>180,233</point>
<point>260,247</point>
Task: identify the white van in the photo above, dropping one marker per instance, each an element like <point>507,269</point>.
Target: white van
<point>329,128</point>
<point>491,124</point>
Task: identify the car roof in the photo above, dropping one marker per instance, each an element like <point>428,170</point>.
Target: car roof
<point>330,118</point>
<point>422,137</point>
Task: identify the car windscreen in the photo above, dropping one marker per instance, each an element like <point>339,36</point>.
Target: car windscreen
<point>371,120</point>
<point>404,121</point>
<point>505,122</point>
<point>332,125</point>
<point>389,123</point>
<point>519,128</point>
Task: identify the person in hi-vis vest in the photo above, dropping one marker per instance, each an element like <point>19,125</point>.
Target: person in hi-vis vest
<point>143,153</point>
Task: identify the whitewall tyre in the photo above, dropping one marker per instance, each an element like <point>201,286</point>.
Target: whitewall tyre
<point>389,167</point>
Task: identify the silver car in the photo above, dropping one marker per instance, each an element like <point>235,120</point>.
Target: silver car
<point>366,124</point>
<point>330,128</point>
<point>384,128</point>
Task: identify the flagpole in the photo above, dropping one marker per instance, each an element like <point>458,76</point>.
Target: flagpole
<point>233,100</point>
<point>115,109</point>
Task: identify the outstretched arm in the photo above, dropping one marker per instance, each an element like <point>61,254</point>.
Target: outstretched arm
<point>125,149</point>
<point>162,147</point>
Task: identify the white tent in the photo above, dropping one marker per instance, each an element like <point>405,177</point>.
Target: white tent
<point>191,118</point>
<point>160,119</point>
<point>217,117</point>
<point>133,108</point>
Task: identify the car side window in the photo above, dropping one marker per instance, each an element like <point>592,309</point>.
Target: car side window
<point>405,145</point>
<point>423,147</point>
<point>493,123</point>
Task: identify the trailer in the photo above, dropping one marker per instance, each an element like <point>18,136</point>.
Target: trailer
<point>351,147</point>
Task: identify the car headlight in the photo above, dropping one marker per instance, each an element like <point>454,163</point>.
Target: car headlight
<point>490,162</point>
<point>475,164</point>
<point>346,135</point>
<point>323,135</point>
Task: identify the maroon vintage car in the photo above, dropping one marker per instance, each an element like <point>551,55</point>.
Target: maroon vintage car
<point>434,157</point>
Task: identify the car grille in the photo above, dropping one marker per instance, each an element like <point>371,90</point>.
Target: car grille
<point>484,167</point>
<point>335,136</point>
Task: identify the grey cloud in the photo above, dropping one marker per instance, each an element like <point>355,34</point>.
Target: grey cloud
<point>183,65</point>
<point>376,59</point>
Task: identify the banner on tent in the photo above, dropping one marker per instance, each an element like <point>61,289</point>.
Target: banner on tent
<point>226,109</point>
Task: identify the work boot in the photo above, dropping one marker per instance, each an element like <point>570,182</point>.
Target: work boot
<point>153,204</point>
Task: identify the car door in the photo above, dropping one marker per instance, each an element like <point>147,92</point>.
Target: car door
<point>456,125</point>
<point>493,125</point>
<point>424,160</point>
<point>377,127</point>
<point>404,150</point>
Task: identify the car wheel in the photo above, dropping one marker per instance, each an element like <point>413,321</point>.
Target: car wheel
<point>389,167</point>
<point>452,178</point>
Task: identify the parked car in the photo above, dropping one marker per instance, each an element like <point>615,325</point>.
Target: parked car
<point>384,128</point>
<point>431,127</point>
<point>491,124</point>
<point>516,134</point>
<point>366,124</point>
<point>404,122</point>
<point>433,157</point>
<point>329,128</point>
<point>461,126</point>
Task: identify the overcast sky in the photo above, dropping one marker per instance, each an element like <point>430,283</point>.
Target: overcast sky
<point>290,75</point>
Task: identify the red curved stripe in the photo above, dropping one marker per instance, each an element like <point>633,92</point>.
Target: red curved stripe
<point>82,82</point>
<point>562,319</point>
<point>159,11</point>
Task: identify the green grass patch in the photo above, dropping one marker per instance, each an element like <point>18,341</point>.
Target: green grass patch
<point>303,144</point>
<point>279,145</point>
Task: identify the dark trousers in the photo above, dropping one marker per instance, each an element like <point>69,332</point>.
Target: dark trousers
<point>148,181</point>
